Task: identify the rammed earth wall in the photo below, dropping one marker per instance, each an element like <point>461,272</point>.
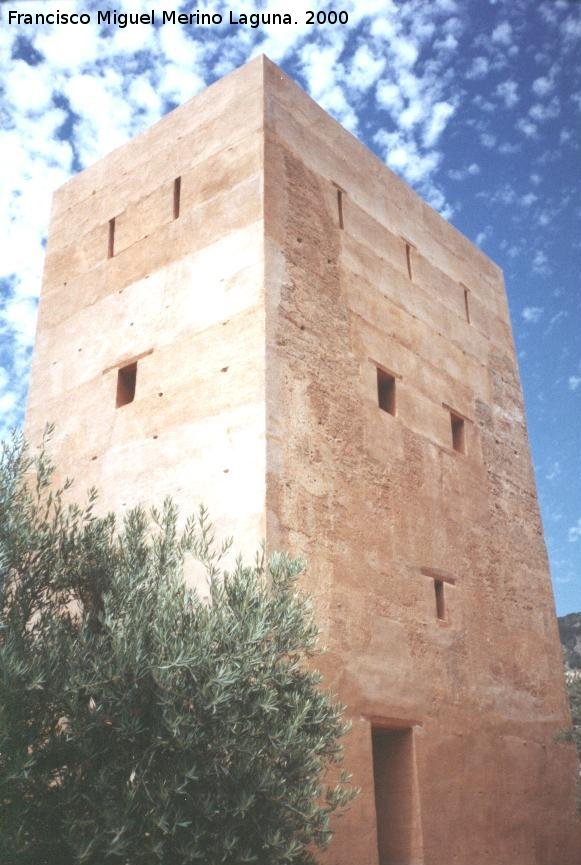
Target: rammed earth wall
<point>308,348</point>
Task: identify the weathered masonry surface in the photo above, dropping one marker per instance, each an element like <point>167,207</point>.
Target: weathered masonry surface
<point>244,307</point>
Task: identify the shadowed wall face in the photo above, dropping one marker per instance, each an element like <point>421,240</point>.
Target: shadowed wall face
<point>398,464</point>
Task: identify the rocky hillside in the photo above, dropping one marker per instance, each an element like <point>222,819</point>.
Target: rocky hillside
<point>570,632</point>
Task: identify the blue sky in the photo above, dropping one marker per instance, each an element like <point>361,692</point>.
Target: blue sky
<point>477,104</point>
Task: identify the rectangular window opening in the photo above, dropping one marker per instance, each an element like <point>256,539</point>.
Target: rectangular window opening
<point>440,599</point>
<point>126,379</point>
<point>386,391</point>
<point>467,304</point>
<point>458,433</point>
<point>340,207</point>
<point>177,188</point>
<point>397,808</point>
<point>111,241</point>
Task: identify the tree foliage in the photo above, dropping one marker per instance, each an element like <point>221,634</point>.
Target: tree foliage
<point>140,724</point>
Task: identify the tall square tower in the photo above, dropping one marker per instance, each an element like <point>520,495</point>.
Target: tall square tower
<point>244,307</point>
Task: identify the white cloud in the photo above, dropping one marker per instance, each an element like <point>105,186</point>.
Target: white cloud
<point>20,315</point>
<point>571,28</point>
<point>575,532</point>
<point>449,43</point>
<point>556,319</point>
<point>540,112</point>
<point>502,35</point>
<point>68,47</point>
<point>463,173</point>
<point>505,194</point>
<point>507,91</point>
<point>532,314</point>
<point>508,148</point>
<point>406,52</point>
<point>565,136</point>
<point>179,85</point>
<point>389,96</point>
<point>479,68</point>
<point>412,115</point>
<point>574,382</point>
<point>441,113</point>
<point>28,87</point>
<point>484,104</point>
<point>484,235</point>
<point>540,263</point>
<point>527,128</point>
<point>405,157</point>
<point>365,68</point>
<point>541,86</point>
<point>487,139</point>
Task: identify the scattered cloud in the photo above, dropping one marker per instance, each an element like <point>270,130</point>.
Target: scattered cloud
<point>508,92</point>
<point>488,140</point>
<point>540,112</point>
<point>571,29</point>
<point>509,148</point>
<point>528,129</point>
<point>505,194</point>
<point>462,173</point>
<point>540,263</point>
<point>483,236</point>
<point>556,319</point>
<point>502,35</point>
<point>365,68</point>
<point>532,314</point>
<point>479,68</point>
<point>542,86</point>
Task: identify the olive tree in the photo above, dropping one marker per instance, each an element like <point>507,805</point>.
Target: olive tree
<point>142,724</point>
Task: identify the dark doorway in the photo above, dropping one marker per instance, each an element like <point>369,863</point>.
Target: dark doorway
<point>399,832</point>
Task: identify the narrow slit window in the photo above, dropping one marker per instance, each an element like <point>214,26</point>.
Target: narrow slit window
<point>177,189</point>
<point>467,304</point>
<point>126,380</point>
<point>111,240</point>
<point>440,599</point>
<point>408,258</point>
<point>458,433</point>
<point>386,391</point>
<point>340,207</point>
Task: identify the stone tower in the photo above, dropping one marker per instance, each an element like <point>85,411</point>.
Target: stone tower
<point>244,307</point>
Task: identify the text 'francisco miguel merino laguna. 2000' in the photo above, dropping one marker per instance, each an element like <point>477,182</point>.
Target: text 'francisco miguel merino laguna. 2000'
<point>112,18</point>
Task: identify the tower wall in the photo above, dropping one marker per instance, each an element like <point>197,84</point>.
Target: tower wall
<point>384,507</point>
<point>183,295</point>
<point>258,317</point>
